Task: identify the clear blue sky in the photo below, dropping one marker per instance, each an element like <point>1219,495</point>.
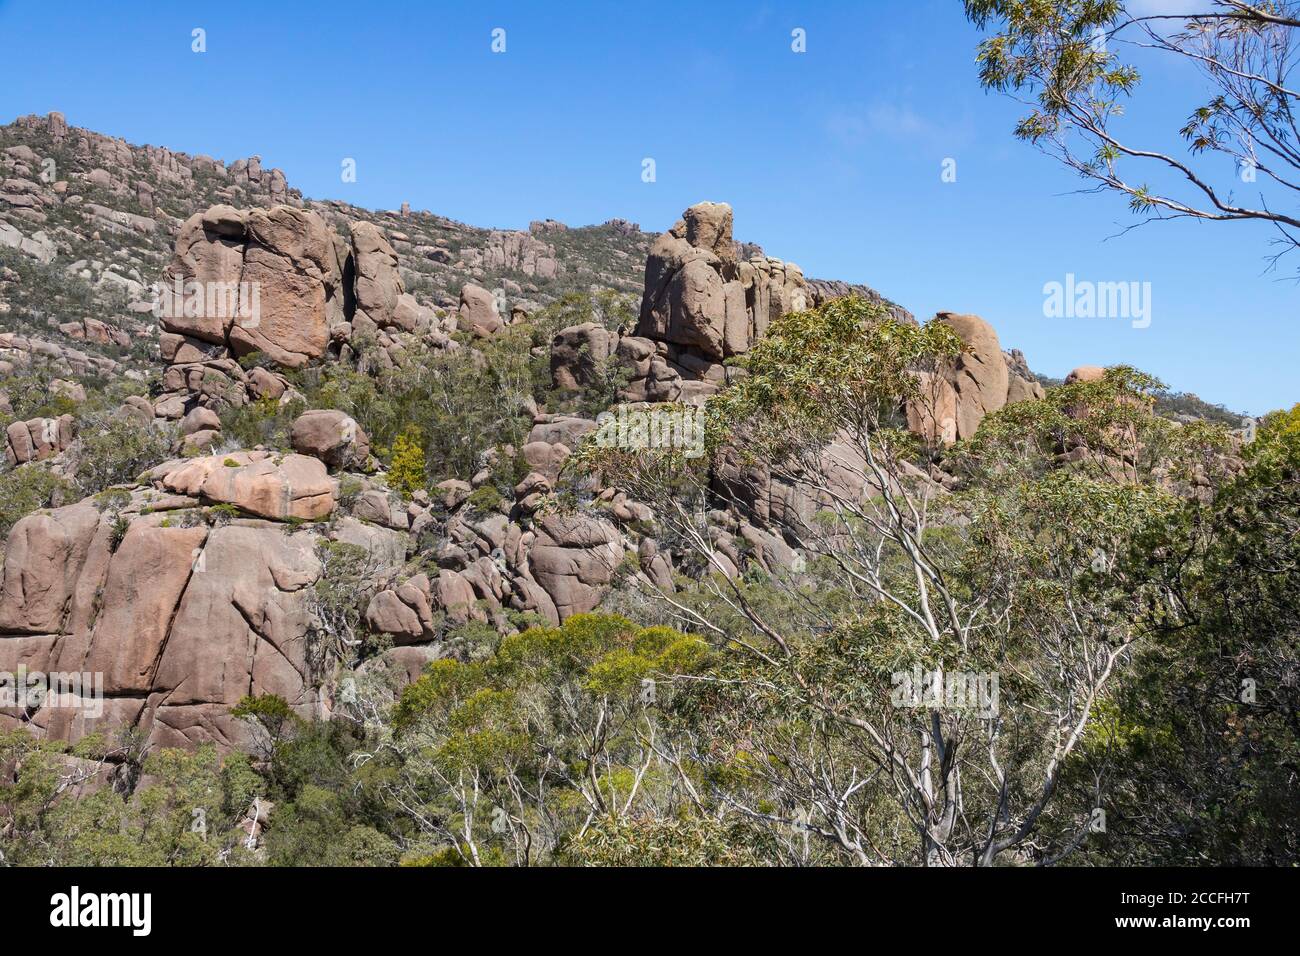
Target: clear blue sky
<point>831,158</point>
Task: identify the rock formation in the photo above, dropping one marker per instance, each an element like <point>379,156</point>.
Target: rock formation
<point>983,379</point>
<point>333,437</point>
<point>178,614</point>
<point>701,305</point>
<point>517,252</point>
<point>1086,373</point>
<point>478,311</point>
<point>184,593</point>
<point>37,439</point>
<point>280,283</point>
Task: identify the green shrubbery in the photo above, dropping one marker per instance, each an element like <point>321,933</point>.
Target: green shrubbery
<point>111,449</point>
<point>185,816</point>
<point>24,490</point>
<point>406,463</point>
<point>115,450</point>
<point>262,422</point>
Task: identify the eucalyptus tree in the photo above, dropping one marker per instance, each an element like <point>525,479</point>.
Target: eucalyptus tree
<point>910,688</point>
<point>1076,65</point>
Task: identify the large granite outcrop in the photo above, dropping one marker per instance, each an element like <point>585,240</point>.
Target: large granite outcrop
<point>701,305</point>
<point>172,613</point>
<point>279,283</point>
<point>199,585</point>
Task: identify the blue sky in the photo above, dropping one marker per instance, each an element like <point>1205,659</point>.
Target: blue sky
<point>831,158</point>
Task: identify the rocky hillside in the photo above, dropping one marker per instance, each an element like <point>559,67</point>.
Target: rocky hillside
<point>311,514</point>
<point>209,354</point>
<point>88,222</point>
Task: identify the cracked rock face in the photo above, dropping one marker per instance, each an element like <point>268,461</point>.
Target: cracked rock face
<point>979,376</point>
<point>518,252</point>
<point>282,283</point>
<point>378,283</point>
<point>573,559</point>
<point>980,381</point>
<point>287,267</point>
<point>176,616</point>
<point>701,305</point>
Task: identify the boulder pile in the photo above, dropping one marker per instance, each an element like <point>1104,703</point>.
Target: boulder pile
<point>701,305</point>
<point>37,439</point>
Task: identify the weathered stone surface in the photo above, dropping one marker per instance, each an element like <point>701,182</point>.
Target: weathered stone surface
<point>378,284</point>
<point>708,226</point>
<point>292,486</point>
<point>1022,385</point>
<point>933,412</point>
<point>200,419</point>
<point>567,430</point>
<point>291,254</point>
<point>241,628</point>
<point>37,439</point>
<point>388,614</point>
<point>979,376</point>
<point>263,383</point>
<point>454,492</point>
<point>332,436</point>
<point>478,311</point>
<point>573,559</point>
<point>209,251</point>
<point>175,622</point>
<point>385,546</point>
<point>401,665</point>
<point>381,507</point>
<point>205,439</point>
<point>705,305</point>
<point>146,577</point>
<point>515,252</point>
<point>263,280</point>
<point>38,245</point>
<point>455,596</point>
<point>697,308</point>
<point>546,458</point>
<point>1086,373</point>
<point>43,559</point>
